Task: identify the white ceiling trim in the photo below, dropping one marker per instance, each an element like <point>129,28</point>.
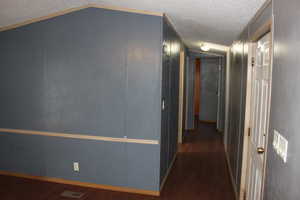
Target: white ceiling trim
<point>63,12</point>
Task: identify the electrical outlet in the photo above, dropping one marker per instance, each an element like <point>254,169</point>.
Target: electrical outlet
<point>76,166</point>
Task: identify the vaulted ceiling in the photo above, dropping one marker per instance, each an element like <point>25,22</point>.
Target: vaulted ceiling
<point>215,21</point>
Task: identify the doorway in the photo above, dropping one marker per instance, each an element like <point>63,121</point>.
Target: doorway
<point>259,94</point>
<point>205,89</point>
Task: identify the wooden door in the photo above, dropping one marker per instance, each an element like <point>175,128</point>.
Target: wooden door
<point>197,89</point>
<point>260,99</point>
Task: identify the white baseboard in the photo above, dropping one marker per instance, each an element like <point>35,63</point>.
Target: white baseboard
<point>168,172</point>
<point>231,176</point>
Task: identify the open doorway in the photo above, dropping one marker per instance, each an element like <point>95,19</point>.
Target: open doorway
<point>205,90</point>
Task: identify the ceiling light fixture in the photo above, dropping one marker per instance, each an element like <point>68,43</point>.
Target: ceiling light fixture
<point>204,47</point>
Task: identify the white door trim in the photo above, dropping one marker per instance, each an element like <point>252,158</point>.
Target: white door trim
<point>243,186</point>
<point>227,98</point>
<point>181,93</point>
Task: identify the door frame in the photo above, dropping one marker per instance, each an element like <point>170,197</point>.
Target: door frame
<point>261,31</point>
<point>181,95</point>
<point>197,88</point>
<point>219,93</point>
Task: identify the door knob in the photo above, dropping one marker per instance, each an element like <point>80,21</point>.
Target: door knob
<point>260,150</point>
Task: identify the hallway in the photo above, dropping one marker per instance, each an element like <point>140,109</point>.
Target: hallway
<point>99,100</point>
<point>199,172</point>
<point>201,163</point>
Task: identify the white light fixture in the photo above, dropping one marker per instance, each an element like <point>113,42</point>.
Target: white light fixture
<point>204,47</point>
<point>238,47</point>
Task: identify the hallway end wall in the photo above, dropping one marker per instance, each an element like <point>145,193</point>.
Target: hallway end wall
<point>209,83</point>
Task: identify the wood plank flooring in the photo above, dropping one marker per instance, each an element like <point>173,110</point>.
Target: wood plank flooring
<point>199,173</point>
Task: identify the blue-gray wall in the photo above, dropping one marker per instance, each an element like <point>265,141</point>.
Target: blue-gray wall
<point>238,75</point>
<point>283,179</point>
<point>170,95</point>
<point>95,72</point>
<point>209,77</point>
<point>237,93</point>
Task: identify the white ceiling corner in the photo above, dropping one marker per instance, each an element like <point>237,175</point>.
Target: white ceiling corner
<point>213,21</point>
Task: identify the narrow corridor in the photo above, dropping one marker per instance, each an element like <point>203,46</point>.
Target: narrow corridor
<point>199,173</point>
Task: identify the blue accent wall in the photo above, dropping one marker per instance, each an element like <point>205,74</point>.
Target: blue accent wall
<point>95,72</point>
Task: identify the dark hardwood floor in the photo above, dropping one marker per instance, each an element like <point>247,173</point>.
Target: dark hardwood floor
<point>199,173</point>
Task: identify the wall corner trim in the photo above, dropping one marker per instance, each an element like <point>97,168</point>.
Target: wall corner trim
<point>266,27</point>
<point>168,173</point>
<point>82,184</point>
<point>169,21</point>
<point>70,10</point>
<point>231,176</point>
<point>258,13</point>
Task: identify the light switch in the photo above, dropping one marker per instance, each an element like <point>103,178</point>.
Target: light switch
<point>76,166</point>
<point>280,145</point>
<point>283,148</point>
<point>276,140</point>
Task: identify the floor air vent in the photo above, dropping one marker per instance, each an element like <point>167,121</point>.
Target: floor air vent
<point>71,194</point>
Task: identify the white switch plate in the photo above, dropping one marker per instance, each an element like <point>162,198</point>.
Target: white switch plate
<point>283,148</point>
<point>276,140</point>
<point>280,145</point>
<point>76,166</point>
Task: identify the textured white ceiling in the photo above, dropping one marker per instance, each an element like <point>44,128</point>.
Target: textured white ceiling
<point>215,21</point>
